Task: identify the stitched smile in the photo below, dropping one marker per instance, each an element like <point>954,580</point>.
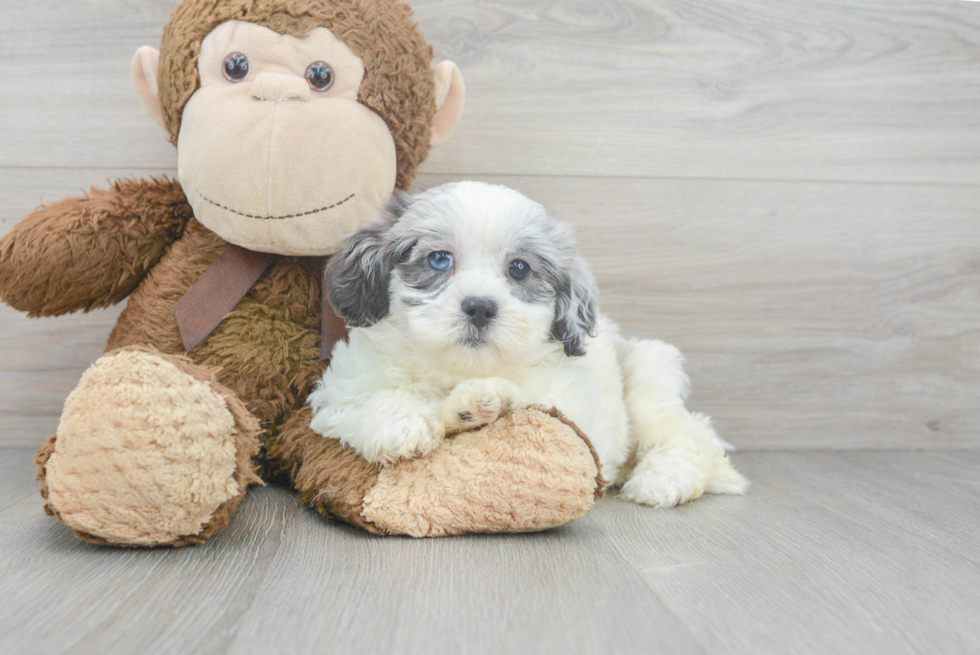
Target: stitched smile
<point>273,218</point>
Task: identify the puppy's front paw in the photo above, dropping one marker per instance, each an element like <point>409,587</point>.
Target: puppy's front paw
<point>478,402</point>
<point>664,481</point>
<point>386,439</point>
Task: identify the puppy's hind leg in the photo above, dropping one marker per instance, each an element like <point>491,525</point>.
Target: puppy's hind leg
<point>679,456</point>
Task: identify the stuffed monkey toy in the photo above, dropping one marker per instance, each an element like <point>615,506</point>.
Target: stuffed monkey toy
<point>294,121</point>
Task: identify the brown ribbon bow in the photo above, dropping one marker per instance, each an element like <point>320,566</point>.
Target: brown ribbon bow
<point>223,286</point>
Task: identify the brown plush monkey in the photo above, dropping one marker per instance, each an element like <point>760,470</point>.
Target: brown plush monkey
<point>293,122</point>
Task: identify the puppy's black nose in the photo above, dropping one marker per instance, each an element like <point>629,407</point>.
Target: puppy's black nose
<point>480,310</point>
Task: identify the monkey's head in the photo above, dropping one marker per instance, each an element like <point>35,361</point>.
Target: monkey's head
<point>294,121</point>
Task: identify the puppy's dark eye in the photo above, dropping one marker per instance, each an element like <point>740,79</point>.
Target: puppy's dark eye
<point>319,75</point>
<point>518,269</point>
<point>235,67</point>
<point>441,260</point>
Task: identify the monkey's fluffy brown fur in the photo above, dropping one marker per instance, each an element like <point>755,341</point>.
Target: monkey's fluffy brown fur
<point>140,239</point>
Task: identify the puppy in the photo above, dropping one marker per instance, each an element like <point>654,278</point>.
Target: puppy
<point>467,301</point>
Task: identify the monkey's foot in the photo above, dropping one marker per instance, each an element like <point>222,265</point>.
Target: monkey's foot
<point>530,470</point>
<point>150,451</point>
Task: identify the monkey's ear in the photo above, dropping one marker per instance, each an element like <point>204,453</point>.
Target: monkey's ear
<point>450,97</point>
<point>146,65</point>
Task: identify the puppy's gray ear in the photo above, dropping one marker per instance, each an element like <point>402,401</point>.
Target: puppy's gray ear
<point>359,273</point>
<point>576,308</point>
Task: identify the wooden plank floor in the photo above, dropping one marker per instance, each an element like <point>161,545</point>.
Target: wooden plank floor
<point>860,552</point>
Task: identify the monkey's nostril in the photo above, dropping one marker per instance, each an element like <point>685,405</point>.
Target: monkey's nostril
<point>479,310</point>
<point>276,87</point>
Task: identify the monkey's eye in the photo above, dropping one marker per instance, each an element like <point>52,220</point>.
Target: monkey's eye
<point>319,75</point>
<point>518,269</point>
<point>235,67</point>
<point>441,260</point>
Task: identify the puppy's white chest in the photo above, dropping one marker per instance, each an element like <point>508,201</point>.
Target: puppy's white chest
<point>571,387</point>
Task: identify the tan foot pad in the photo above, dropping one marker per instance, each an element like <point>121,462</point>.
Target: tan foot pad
<point>147,452</point>
<point>529,471</point>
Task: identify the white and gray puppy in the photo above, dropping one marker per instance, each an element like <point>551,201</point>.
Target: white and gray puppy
<point>469,300</point>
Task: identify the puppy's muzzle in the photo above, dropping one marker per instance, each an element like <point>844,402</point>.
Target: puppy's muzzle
<point>480,311</point>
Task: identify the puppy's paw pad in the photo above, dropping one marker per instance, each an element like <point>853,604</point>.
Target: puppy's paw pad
<point>474,403</point>
<point>666,485</point>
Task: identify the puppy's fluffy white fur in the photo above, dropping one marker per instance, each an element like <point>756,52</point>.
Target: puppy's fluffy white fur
<point>417,366</point>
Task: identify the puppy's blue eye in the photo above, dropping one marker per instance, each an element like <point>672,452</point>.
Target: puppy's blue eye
<point>441,260</point>
<point>518,269</point>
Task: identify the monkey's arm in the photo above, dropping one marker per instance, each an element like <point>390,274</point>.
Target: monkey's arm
<point>93,250</point>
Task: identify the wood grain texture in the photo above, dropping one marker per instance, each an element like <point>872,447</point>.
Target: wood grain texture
<point>813,315</point>
<point>800,89</point>
<point>830,553</point>
<point>282,579</point>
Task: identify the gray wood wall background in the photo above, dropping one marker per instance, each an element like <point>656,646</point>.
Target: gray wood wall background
<point>789,190</point>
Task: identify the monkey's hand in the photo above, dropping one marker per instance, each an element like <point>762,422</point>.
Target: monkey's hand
<point>90,251</point>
